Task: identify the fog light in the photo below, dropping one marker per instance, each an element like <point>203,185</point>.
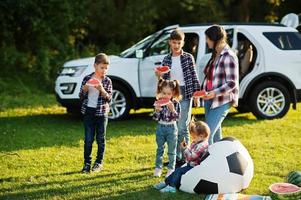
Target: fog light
<point>67,88</point>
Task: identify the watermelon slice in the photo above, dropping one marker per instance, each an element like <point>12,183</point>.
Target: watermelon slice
<point>284,191</point>
<point>93,82</point>
<point>162,102</point>
<point>162,69</point>
<point>199,94</point>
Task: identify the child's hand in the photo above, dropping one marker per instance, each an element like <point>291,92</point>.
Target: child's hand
<point>171,107</point>
<point>100,88</point>
<point>85,88</point>
<point>158,74</point>
<point>196,102</point>
<point>158,108</point>
<point>183,144</point>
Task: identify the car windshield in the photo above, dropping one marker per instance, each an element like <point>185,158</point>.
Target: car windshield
<point>140,45</point>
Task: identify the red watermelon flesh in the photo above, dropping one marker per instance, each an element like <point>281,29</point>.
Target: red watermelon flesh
<point>283,188</point>
<point>93,82</point>
<point>200,93</point>
<point>162,102</point>
<point>162,69</point>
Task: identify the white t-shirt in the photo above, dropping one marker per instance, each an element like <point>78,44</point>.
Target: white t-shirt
<point>176,72</point>
<point>92,97</point>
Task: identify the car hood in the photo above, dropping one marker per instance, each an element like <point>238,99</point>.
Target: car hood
<point>90,61</point>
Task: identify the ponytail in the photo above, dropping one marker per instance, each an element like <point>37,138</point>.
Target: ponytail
<point>174,85</point>
<point>176,90</point>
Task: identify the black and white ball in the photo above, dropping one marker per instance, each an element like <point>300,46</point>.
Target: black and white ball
<point>227,167</point>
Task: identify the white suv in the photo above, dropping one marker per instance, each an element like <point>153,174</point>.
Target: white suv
<point>270,69</point>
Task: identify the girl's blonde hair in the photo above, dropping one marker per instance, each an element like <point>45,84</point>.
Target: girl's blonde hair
<point>199,128</point>
<point>172,84</point>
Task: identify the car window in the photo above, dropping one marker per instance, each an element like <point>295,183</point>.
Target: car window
<point>191,44</point>
<point>285,40</point>
<point>130,52</point>
<point>230,34</point>
<point>161,46</point>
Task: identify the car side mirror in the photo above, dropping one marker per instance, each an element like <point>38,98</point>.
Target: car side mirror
<point>139,53</point>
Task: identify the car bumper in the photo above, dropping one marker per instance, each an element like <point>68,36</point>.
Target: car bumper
<point>68,103</point>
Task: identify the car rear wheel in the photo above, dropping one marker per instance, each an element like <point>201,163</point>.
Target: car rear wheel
<point>270,100</point>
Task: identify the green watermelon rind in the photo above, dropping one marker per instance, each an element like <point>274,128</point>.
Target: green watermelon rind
<point>294,177</point>
<point>285,196</point>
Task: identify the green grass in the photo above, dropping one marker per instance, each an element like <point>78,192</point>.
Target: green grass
<point>41,153</point>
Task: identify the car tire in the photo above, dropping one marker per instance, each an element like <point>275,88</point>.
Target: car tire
<point>73,111</point>
<point>121,103</point>
<point>269,100</point>
<point>242,108</point>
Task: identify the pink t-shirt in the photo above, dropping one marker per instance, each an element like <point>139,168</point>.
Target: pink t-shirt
<point>209,83</point>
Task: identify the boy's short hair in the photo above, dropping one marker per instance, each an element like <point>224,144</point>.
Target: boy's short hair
<point>177,34</point>
<point>101,58</point>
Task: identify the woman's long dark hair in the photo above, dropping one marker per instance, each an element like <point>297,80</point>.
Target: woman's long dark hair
<point>217,34</point>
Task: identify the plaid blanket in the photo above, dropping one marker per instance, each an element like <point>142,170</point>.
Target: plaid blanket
<point>235,196</point>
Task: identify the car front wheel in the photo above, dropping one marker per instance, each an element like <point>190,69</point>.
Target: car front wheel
<point>269,100</point>
<point>120,103</point>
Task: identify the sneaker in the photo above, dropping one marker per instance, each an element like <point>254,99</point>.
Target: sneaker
<point>157,172</point>
<point>96,167</point>
<point>168,189</point>
<point>160,185</point>
<point>86,168</point>
<point>169,172</point>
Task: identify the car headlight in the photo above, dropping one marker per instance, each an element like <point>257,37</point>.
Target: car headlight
<point>73,71</point>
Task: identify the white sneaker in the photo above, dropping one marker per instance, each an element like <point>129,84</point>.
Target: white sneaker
<point>168,189</point>
<point>160,185</point>
<point>157,172</point>
<point>169,172</point>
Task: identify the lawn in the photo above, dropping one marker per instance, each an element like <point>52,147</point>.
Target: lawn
<point>41,153</point>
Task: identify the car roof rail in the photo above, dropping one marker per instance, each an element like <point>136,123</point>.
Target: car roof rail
<point>236,23</point>
<point>171,27</point>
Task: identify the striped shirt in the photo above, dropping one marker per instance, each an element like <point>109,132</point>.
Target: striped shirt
<point>225,79</point>
<point>166,115</point>
<point>191,79</point>
<point>194,153</point>
<point>102,107</point>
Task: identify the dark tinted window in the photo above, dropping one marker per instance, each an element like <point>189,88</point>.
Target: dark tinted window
<point>285,40</point>
<point>191,44</point>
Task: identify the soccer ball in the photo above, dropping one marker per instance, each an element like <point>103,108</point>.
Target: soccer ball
<point>227,167</point>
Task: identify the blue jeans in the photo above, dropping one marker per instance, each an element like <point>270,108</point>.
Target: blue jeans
<point>174,179</point>
<point>166,134</point>
<point>214,118</point>
<point>183,123</point>
<point>94,126</point>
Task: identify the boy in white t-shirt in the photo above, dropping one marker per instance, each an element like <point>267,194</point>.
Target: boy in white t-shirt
<point>95,108</point>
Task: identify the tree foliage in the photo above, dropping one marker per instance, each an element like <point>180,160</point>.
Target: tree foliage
<point>38,36</point>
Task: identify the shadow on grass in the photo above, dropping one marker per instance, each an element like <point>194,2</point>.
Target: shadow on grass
<point>90,187</point>
<point>104,175</point>
<point>36,131</point>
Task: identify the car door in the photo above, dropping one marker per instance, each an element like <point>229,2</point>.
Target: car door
<point>154,56</point>
<point>156,53</point>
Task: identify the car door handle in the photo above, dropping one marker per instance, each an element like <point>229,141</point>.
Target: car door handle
<point>158,63</point>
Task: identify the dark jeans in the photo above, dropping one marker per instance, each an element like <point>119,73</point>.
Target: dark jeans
<point>94,126</point>
<point>174,179</point>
